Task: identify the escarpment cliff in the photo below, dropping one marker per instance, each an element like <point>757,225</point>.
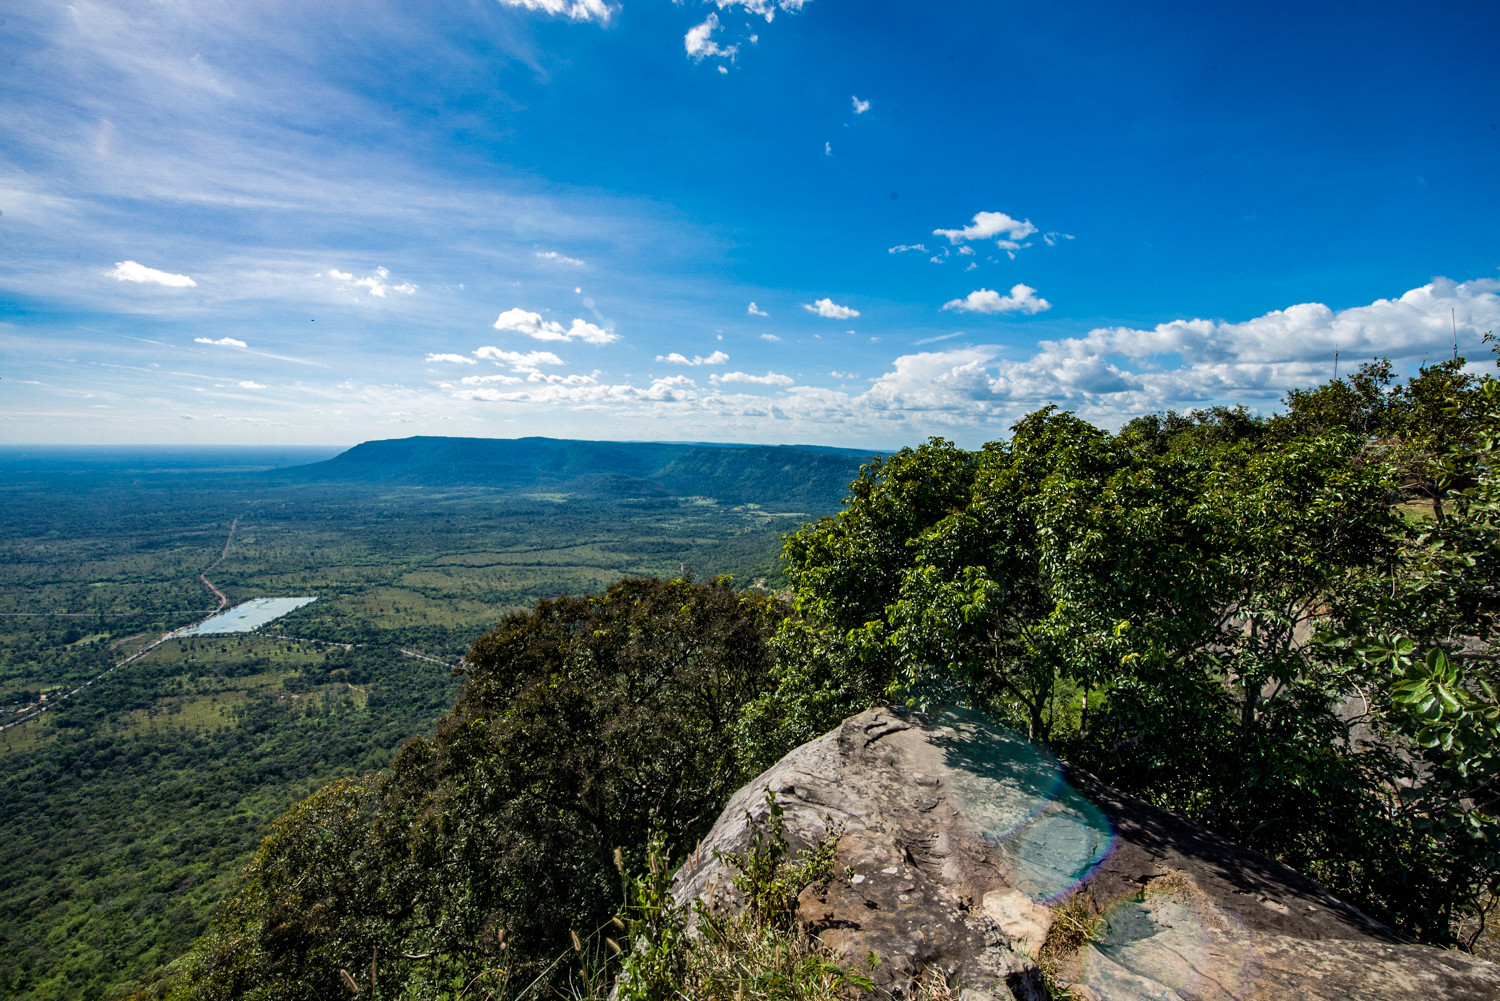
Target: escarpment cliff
<point>965,851</point>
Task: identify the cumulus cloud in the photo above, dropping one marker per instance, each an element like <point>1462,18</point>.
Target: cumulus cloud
<point>755,310</point>
<point>573,10</point>
<point>520,321</point>
<point>247,384</point>
<point>830,309</point>
<point>451,358</point>
<point>769,379</point>
<point>860,107</point>
<point>988,225</point>
<point>130,271</point>
<point>228,342</point>
<point>377,284</point>
<point>1107,375</point>
<point>555,257</point>
<point>770,337</point>
<point>700,45</point>
<point>1021,299</point>
<point>717,358</point>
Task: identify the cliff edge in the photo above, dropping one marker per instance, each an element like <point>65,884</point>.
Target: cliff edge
<point>972,854</point>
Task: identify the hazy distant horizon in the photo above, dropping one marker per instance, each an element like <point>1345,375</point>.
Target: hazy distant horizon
<point>741,220</point>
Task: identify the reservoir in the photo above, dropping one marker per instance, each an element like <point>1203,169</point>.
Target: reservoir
<point>247,616</point>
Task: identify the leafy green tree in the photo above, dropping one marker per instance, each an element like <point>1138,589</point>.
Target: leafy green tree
<point>585,725</point>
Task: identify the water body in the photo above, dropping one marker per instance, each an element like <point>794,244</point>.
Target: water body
<point>248,616</point>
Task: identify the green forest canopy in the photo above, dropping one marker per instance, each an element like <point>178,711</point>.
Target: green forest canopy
<point>1281,628</point>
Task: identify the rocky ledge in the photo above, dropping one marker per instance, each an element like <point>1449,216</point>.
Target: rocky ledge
<point>975,856</point>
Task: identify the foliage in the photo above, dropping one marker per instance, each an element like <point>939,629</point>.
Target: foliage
<point>585,724</point>
<point>754,952</point>
<point>1144,602</point>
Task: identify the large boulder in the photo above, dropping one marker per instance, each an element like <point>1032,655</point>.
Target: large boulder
<point>973,855</point>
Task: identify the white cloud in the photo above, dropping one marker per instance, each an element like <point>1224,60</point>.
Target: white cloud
<point>573,10</point>
<point>520,321</point>
<point>755,310</point>
<point>377,284</point>
<point>554,256</point>
<point>860,107</point>
<point>519,361</point>
<point>764,8</point>
<point>770,337</point>
<point>717,358</point>
<point>1054,238</point>
<point>247,384</point>
<point>130,271</point>
<point>1022,299</point>
<point>700,45</point>
<point>828,149</point>
<point>967,251</point>
<point>987,225</point>
<point>904,247</point>
<point>830,309</point>
<point>972,393</point>
<point>769,379</point>
<point>454,359</point>
<point>228,342</point>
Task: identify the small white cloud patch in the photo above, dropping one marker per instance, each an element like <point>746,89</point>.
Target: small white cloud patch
<point>769,379</point>
<point>573,10</point>
<point>675,358</point>
<point>770,337</point>
<point>452,358</point>
<point>860,107</point>
<point>377,284</point>
<point>247,384</point>
<point>830,309</point>
<point>755,310</point>
<point>130,271</point>
<point>227,342</point>
<point>700,45</point>
<point>987,225</point>
<point>556,258</point>
<point>1022,299</point>
<point>520,321</point>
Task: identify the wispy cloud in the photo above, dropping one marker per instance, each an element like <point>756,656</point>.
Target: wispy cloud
<point>905,247</point>
<point>717,358</point>
<point>520,321</point>
<point>228,342</point>
<point>573,10</point>
<point>770,337</point>
<point>247,384</point>
<point>830,309</point>
<point>130,271</point>
<point>555,257</point>
<point>452,359</point>
<point>1020,299</point>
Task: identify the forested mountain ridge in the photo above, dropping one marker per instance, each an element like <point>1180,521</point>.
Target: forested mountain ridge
<point>733,474</point>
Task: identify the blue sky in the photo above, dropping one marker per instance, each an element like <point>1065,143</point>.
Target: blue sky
<point>733,220</point>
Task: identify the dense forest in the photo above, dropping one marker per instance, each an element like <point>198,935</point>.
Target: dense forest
<point>126,808</point>
<point>1279,627</point>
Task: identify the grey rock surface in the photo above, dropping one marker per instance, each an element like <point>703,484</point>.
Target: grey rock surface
<point>976,856</point>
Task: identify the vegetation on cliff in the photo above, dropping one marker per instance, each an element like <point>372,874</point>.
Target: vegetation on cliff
<point>1281,628</point>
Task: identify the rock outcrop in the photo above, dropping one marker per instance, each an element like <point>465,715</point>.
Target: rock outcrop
<point>974,855</point>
